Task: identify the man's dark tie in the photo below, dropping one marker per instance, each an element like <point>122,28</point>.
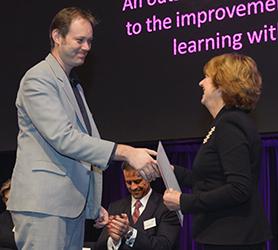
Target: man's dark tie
<point>74,81</point>
<point>136,212</point>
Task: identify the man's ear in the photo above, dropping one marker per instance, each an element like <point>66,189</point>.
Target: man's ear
<point>56,36</point>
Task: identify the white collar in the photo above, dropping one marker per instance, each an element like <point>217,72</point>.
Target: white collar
<point>143,200</point>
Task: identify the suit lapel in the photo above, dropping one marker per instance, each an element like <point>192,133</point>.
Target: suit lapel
<point>63,79</point>
<point>126,208</point>
<point>148,211</point>
<point>95,132</point>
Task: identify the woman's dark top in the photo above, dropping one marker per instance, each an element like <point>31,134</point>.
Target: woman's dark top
<point>224,179</point>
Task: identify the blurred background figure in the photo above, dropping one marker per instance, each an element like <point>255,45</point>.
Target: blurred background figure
<point>6,224</point>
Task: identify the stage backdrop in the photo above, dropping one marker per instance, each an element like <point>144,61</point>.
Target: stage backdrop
<point>141,78</point>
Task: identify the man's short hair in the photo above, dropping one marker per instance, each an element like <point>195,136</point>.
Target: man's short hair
<point>126,166</point>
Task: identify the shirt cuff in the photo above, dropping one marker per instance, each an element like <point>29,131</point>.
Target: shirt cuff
<point>131,240</point>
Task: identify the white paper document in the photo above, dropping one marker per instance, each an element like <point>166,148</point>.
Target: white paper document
<point>167,174</point>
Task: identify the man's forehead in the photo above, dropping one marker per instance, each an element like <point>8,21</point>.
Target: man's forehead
<point>78,22</point>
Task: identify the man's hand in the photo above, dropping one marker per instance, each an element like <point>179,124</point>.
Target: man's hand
<point>171,199</point>
<point>143,162</point>
<point>140,159</point>
<point>117,227</point>
<point>103,218</point>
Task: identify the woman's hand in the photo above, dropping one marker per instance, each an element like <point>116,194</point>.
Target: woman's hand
<point>171,199</point>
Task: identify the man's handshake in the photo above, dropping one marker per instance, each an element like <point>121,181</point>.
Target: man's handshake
<point>141,159</point>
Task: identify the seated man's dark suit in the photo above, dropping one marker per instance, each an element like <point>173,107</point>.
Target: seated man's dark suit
<point>163,236</point>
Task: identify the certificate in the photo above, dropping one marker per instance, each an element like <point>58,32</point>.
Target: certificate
<point>167,174</point>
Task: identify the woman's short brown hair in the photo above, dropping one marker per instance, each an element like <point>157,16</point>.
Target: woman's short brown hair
<point>238,78</point>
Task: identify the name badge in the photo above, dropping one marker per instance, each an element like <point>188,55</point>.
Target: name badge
<point>149,223</point>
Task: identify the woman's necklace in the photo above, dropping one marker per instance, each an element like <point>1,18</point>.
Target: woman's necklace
<point>209,135</point>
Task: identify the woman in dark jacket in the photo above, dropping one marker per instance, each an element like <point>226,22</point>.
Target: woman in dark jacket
<point>227,212</point>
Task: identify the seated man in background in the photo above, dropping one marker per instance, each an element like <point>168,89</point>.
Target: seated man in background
<point>141,220</point>
<point>6,224</point>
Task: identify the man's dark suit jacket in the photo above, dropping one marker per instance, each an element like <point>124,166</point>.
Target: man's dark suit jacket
<point>164,236</point>
<point>225,202</point>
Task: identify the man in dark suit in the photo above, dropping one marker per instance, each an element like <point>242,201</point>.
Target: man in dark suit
<point>141,220</point>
